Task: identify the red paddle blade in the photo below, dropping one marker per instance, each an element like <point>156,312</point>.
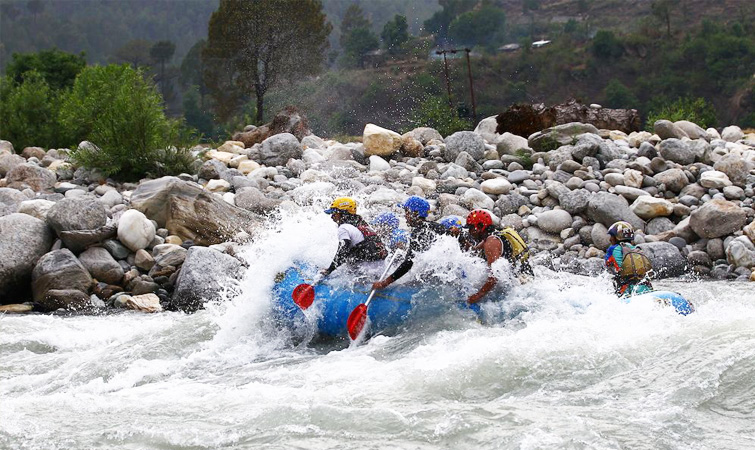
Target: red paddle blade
<point>356,321</point>
<point>303,295</point>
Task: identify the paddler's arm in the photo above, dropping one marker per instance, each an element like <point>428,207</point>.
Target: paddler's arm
<point>343,246</point>
<point>492,248</point>
<point>405,266</point>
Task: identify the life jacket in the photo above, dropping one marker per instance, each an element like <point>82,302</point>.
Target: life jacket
<point>634,264</point>
<point>519,250</point>
<point>371,238</point>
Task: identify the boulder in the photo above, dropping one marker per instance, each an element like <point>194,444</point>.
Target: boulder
<point>278,149</point>
<point>10,200</point>
<point>77,213</point>
<point>188,211</point>
<point>59,270</point>
<point>486,129</point>
<point>732,133</point>
<point>135,231</point>
<point>666,259</point>
<point>36,178</point>
<point>717,218</point>
<point>8,161</point>
<point>378,164</point>
<point>554,137</point>
<point>23,240</point>
<point>411,147</point>
<point>554,221</point>
<point>380,141</point>
<point>149,303</point>
<point>647,207</point>
<point>606,208</point>
<point>509,144</point>
<point>476,199</point>
<point>735,167</point>
<point>252,199</point>
<point>206,275</point>
<point>665,129</point>
<point>70,299</point>
<point>101,265</point>
<point>659,225</point>
<point>674,179</point>
<point>464,141</point>
<point>693,130</point>
<point>36,208</point>
<point>425,135</point>
<point>599,236</point>
<point>576,201</point>
<point>713,179</point>
<point>496,186</point>
<point>677,151</point>
<point>741,252</point>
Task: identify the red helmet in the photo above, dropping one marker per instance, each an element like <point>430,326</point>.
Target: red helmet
<point>479,219</point>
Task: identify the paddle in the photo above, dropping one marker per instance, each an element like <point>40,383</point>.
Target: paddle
<point>358,316</point>
<point>304,294</point>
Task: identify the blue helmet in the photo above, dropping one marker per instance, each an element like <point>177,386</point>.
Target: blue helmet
<point>417,205</point>
<point>388,219</point>
<point>451,222</point>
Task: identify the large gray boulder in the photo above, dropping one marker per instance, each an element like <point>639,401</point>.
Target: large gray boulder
<point>101,265</point>
<point>10,199</point>
<point>607,209</point>
<point>673,179</point>
<point>190,212</point>
<point>425,135</point>
<point>278,149</point>
<point>252,199</point>
<point>717,218</point>
<point>677,151</point>
<point>206,275</point>
<point>8,161</point>
<point>666,129</point>
<point>77,213</point>
<point>36,178</point>
<point>464,141</point>
<point>59,270</point>
<point>554,221</point>
<point>576,201</point>
<point>693,130</point>
<point>665,257</point>
<point>23,240</point>
<point>735,167</point>
<point>741,252</point>
<point>554,137</point>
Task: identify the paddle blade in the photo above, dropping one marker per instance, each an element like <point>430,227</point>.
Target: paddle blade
<point>356,321</point>
<point>303,295</point>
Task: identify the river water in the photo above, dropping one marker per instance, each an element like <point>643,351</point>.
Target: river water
<point>572,367</point>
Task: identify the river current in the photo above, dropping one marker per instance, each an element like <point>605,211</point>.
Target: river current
<point>570,368</point>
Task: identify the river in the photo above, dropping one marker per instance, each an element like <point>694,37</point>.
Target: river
<point>574,368</point>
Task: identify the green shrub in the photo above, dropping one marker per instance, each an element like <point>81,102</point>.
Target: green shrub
<point>696,110</point>
<point>434,112</point>
<point>29,112</point>
<point>116,109</point>
<point>606,45</point>
<point>617,95</point>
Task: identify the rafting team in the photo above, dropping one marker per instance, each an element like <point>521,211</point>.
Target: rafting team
<point>359,241</point>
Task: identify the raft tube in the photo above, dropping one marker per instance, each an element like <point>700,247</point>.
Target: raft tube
<point>330,310</point>
<point>666,298</point>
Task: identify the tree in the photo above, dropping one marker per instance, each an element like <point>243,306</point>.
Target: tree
<point>662,10</point>
<point>395,33</point>
<point>619,96</point>
<point>122,114</point>
<point>439,22</point>
<point>134,52</point>
<point>58,68</point>
<point>192,70</point>
<point>30,111</point>
<point>161,52</point>
<point>10,11</point>
<point>353,18</point>
<point>477,27</point>
<point>35,7</point>
<point>358,43</point>
<point>606,45</point>
<point>264,42</point>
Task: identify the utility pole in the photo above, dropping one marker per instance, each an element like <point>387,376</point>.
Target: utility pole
<point>469,73</point>
<point>471,86</point>
<point>445,72</point>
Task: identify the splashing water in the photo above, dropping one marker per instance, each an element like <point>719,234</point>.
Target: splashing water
<point>570,367</point>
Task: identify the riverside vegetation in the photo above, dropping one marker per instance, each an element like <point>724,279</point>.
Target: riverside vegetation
<point>72,238</point>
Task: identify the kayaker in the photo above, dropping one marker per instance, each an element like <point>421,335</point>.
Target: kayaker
<point>630,267</point>
<point>386,226</point>
<point>493,244</point>
<point>357,242</point>
<point>423,234</point>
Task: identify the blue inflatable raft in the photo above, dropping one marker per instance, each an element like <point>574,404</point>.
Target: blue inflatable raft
<point>666,298</point>
<point>334,302</point>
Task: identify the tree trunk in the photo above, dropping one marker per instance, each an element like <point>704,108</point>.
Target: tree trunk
<point>260,105</point>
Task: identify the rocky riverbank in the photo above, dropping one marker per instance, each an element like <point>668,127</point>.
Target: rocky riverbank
<point>72,239</point>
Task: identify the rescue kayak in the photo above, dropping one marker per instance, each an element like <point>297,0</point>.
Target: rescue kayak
<point>665,298</point>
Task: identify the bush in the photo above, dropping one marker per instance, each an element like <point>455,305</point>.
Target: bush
<point>606,45</point>
<point>58,68</point>
<point>696,110</point>
<point>617,95</point>
<point>434,112</point>
<point>29,112</point>
<point>115,108</point>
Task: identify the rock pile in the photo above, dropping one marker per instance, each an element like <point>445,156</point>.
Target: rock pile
<point>71,239</point>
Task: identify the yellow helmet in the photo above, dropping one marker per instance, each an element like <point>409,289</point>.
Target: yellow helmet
<point>343,204</point>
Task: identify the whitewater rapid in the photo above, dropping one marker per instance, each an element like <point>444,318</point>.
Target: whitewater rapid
<point>571,367</point>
